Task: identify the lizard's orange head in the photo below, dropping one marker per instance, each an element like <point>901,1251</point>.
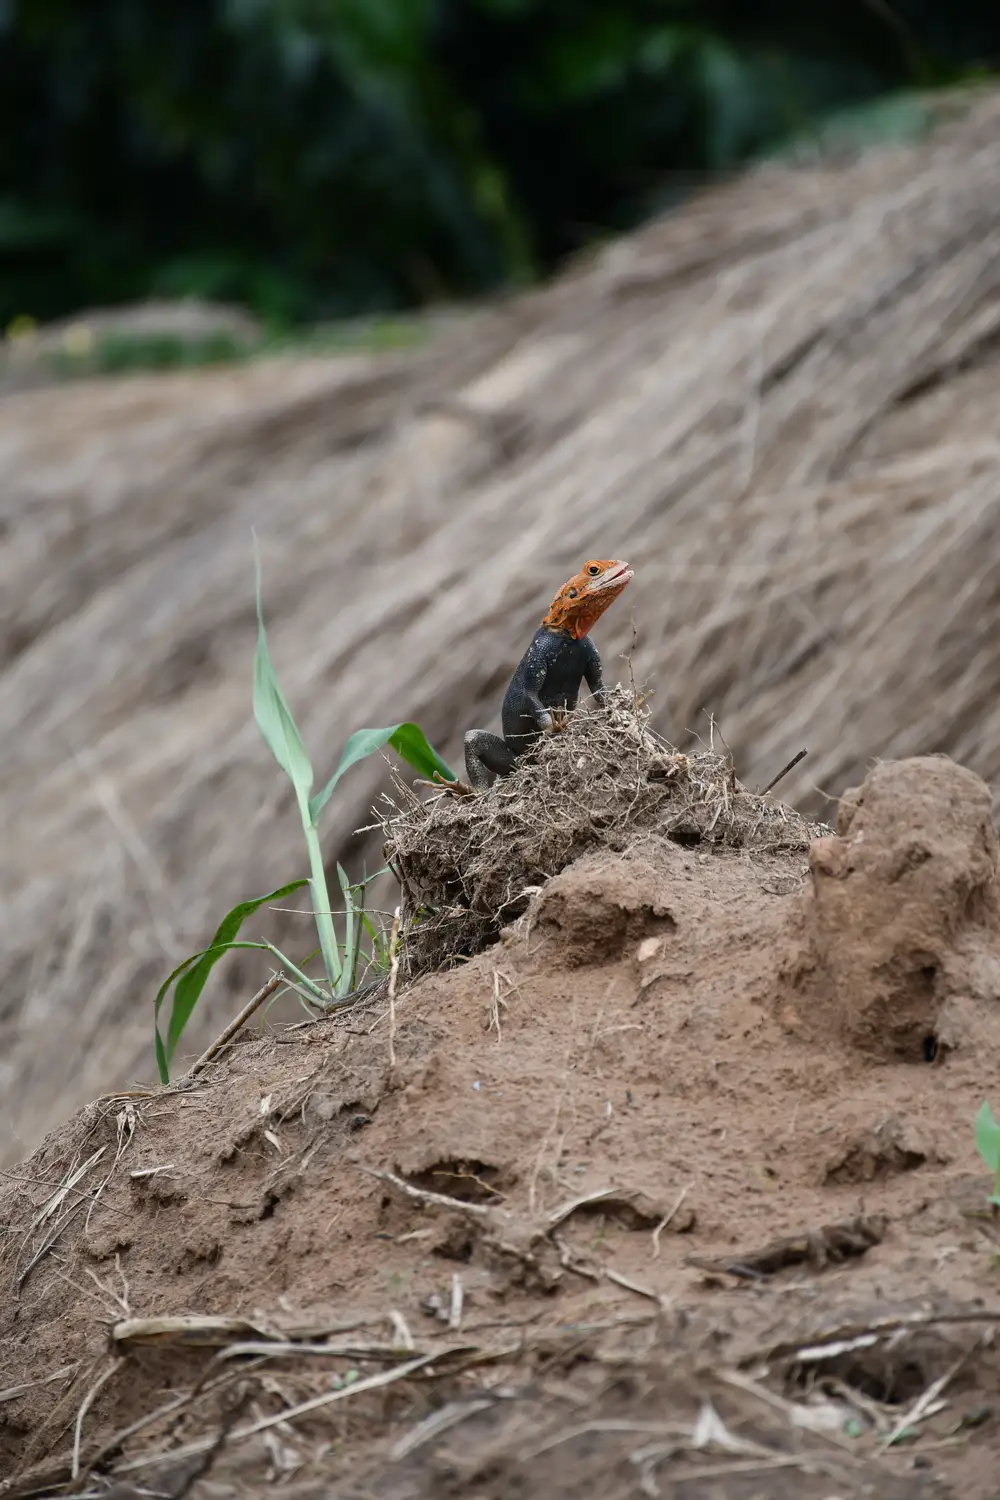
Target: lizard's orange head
<point>582,601</point>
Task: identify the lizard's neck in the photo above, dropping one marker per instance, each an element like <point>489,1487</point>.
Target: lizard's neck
<point>561,629</point>
<point>573,627</point>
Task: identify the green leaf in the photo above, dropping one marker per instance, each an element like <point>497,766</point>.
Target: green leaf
<point>988,1137</point>
<point>192,974</point>
<point>408,740</point>
<point>303,979</point>
<point>273,715</point>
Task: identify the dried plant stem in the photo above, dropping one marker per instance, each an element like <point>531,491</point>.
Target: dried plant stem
<point>393,976</point>
<point>784,772</point>
<point>264,993</point>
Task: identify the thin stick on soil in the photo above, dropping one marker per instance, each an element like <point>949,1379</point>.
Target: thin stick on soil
<point>421,1195</point>
<point>783,772</point>
<point>668,1216</point>
<point>85,1406</point>
<point>924,1406</point>
<point>457,1302</point>
<point>304,1408</point>
<point>393,976</point>
<point>498,1001</point>
<point>632,1286</point>
<point>264,993</point>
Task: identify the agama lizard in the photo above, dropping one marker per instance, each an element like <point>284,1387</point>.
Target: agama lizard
<point>547,681</point>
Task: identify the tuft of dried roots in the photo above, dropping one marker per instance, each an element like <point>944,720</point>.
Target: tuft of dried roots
<point>468,866</point>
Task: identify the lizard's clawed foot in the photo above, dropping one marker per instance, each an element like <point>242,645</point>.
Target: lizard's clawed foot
<point>558,720</point>
<point>454,788</point>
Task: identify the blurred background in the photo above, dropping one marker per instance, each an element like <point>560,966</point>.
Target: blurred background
<point>439,298</point>
<point>318,159</point>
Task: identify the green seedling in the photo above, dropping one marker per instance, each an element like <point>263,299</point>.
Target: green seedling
<point>191,975</point>
<point>340,954</point>
<point>988,1146</point>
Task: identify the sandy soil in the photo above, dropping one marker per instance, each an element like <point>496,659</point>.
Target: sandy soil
<point>673,1190</point>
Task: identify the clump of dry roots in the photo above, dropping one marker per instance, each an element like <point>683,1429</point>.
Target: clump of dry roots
<point>468,866</point>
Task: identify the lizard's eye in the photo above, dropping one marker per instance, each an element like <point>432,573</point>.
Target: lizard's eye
<point>593,570</point>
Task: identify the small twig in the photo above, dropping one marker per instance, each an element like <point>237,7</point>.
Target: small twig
<point>865,1335</point>
<point>15,1392</point>
<point>711,739</point>
<point>667,1217</point>
<point>783,772</point>
<point>421,1195</point>
<point>203,1387</point>
<point>47,1243</point>
<point>85,1406</point>
<point>393,976</point>
<point>569,1262</point>
<point>203,1464</point>
<point>632,1286</point>
<point>59,1197</point>
<point>264,993</point>
<point>289,1414</point>
<point>457,1301</point>
<point>438,1422</point>
<point>631,670</point>
<point>401,1329</point>
<point>924,1405</point>
<point>498,1000</point>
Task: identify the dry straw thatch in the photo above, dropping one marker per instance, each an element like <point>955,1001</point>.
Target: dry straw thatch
<point>467,866</point>
<point>779,404</point>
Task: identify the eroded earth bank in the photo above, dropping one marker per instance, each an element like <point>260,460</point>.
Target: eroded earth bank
<point>672,1190</point>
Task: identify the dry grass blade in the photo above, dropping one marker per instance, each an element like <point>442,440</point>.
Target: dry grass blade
<point>290,1414</point>
<point>15,1392</point>
<point>59,1197</point>
<point>669,1216</point>
<point>849,1338</point>
<point>85,1405</point>
<point>125,1123</point>
<point>438,1422</point>
<point>457,1302</point>
<point>673,1431</point>
<point>631,1286</point>
<point>566,1210</point>
<point>926,1404</point>
<point>205,1388</point>
<point>210,1330</point>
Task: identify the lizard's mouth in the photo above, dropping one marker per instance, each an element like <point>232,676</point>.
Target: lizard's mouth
<point>616,577</point>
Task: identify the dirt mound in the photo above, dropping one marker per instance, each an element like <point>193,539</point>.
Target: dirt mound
<point>903,911</point>
<point>468,867</point>
<point>779,404</point>
<point>603,1226</point>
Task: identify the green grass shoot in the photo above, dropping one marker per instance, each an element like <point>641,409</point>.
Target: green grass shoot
<point>340,953</point>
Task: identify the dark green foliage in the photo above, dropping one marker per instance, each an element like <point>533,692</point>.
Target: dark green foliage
<point>318,158</point>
